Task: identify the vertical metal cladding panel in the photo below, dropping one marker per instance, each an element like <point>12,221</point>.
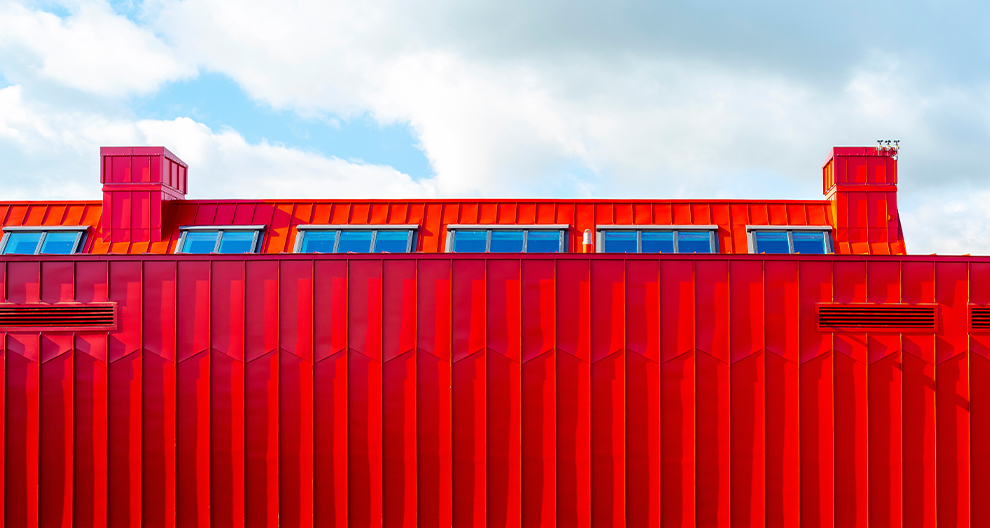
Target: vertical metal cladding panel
<point>677,393</point>
<point>261,417</point>
<point>226,398</point>
<point>56,384</point>
<point>979,375</point>
<point>784,397</point>
<point>193,392</point>
<point>469,393</point>
<point>747,388</point>
<point>642,398</point>
<point>883,412</point>
<point>22,414</point>
<point>850,401</point>
<point>539,402</point>
<point>364,373</point>
<point>608,386</point>
<point>159,408</point>
<point>504,389</point>
<point>573,393</point>
<point>90,442</point>
<point>918,403</point>
<point>295,393</point>
<point>330,456</point>
<point>399,381</point>
<point>433,394</point>
<point>952,407</point>
<point>125,397</point>
<point>712,375</point>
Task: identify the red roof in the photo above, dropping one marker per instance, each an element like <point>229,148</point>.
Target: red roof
<point>860,184</point>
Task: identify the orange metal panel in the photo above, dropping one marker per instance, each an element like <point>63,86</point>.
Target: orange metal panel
<point>546,213</point>
<point>662,214</point>
<point>759,214</point>
<point>778,214</point>
<point>797,214</point>
<point>468,213</point>
<point>681,213</point>
<point>701,213</point>
<point>487,213</point>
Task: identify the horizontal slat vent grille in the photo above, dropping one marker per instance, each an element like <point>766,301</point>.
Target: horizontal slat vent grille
<point>979,317</point>
<point>69,316</point>
<point>877,316</point>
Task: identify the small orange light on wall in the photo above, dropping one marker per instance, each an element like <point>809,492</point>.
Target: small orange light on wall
<point>587,241</point>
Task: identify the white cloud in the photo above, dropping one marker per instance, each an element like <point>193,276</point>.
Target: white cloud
<point>92,49</point>
<point>222,163</point>
<point>952,221</point>
<point>546,98</point>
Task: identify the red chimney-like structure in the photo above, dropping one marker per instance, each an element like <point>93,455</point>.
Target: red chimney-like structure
<point>138,184</point>
<point>861,183</point>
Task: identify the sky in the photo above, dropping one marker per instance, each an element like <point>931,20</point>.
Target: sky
<point>534,98</point>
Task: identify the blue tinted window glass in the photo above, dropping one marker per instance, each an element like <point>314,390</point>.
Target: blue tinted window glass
<point>470,241</point>
<point>59,242</point>
<point>318,241</point>
<point>237,242</point>
<point>809,242</point>
<point>506,241</point>
<point>354,241</point>
<point>694,242</point>
<point>623,241</point>
<point>22,243</point>
<point>771,242</point>
<point>391,241</point>
<point>658,241</point>
<point>541,241</point>
<point>200,241</point>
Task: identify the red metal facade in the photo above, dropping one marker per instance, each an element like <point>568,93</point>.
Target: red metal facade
<point>503,391</point>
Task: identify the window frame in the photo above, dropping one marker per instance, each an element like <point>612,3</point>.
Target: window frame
<point>525,228</point>
<point>259,231</point>
<point>711,228</point>
<point>411,240</point>
<point>81,233</point>
<point>789,229</point>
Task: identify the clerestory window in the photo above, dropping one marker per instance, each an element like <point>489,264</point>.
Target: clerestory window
<point>507,238</point>
<point>657,239</point>
<point>52,240</point>
<point>233,239</point>
<point>806,240</point>
<point>319,238</point>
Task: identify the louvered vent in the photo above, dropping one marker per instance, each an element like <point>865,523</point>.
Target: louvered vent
<point>876,317</point>
<point>57,316</point>
<point>979,317</point>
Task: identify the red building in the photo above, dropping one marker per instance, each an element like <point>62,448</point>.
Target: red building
<point>173,362</point>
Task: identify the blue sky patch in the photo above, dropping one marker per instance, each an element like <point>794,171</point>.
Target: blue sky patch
<point>219,102</point>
